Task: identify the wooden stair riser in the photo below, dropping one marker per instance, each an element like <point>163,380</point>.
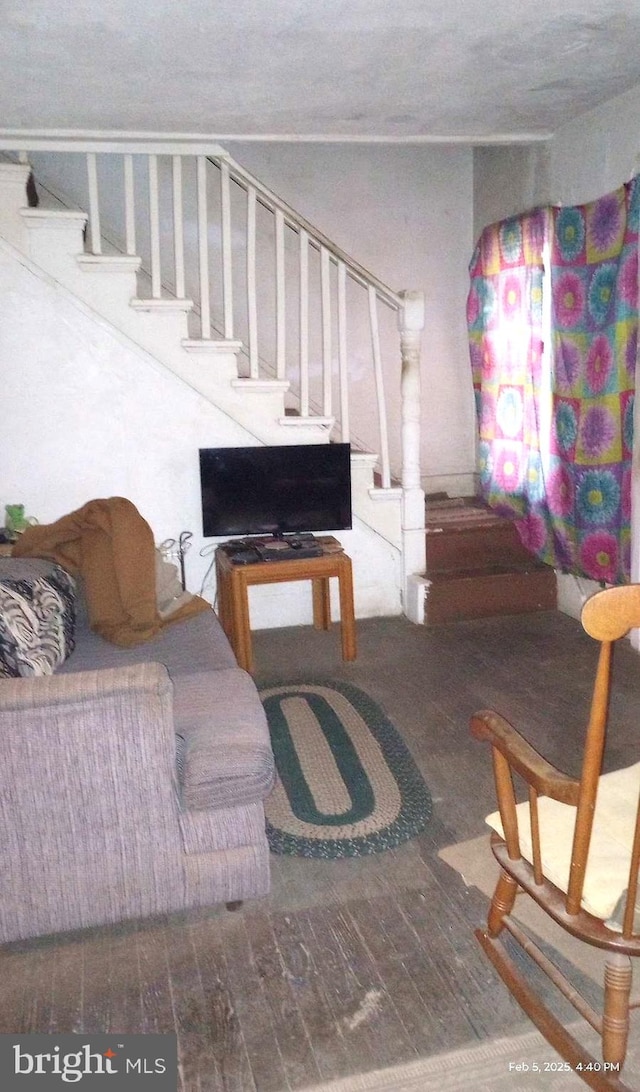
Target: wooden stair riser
<point>450,550</point>
<point>482,595</point>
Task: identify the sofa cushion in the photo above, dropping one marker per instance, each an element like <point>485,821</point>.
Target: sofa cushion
<point>37,616</point>
<point>194,644</point>
<point>225,755</point>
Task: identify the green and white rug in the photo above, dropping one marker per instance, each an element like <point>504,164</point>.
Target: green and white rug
<point>347,784</point>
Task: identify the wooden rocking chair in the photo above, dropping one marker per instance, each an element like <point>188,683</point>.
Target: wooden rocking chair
<point>574,847</point>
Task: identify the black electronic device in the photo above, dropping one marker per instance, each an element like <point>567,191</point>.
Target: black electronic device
<point>276,490</point>
<point>249,551</point>
<point>288,548</point>
<point>241,553</point>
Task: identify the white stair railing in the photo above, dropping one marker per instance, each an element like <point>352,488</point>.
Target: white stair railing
<point>255,269</point>
<point>329,366</point>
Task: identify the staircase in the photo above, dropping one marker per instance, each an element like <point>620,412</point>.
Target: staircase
<point>477,566</point>
<point>136,277</point>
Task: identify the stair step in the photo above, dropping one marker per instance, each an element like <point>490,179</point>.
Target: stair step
<point>53,218</point>
<point>109,263</point>
<point>166,303</point>
<point>460,514</point>
<point>477,566</point>
<point>259,386</point>
<point>466,534</point>
<point>209,345</point>
<point>299,421</point>
<point>477,548</point>
<point>484,593</point>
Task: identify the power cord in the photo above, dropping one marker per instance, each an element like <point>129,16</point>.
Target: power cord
<point>206,551</point>
<point>172,548</point>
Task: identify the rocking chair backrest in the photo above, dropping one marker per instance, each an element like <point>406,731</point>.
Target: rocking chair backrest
<point>574,848</point>
<point>606,616</point>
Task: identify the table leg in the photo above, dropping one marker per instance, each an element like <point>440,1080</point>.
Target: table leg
<point>321,602</point>
<point>241,626</point>
<point>223,608</point>
<point>347,615</point>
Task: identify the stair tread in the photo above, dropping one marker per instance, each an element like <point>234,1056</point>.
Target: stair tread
<point>462,514</point>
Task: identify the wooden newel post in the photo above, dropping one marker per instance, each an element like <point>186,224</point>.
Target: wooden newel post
<point>411,325</point>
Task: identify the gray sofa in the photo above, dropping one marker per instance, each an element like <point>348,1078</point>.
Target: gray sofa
<point>132,782</point>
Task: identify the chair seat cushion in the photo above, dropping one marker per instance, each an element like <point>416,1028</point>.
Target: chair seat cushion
<point>607,874</point>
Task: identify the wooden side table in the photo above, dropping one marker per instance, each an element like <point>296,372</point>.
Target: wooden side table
<point>233,600</point>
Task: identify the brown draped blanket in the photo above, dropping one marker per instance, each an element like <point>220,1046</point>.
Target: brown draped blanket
<point>109,545</point>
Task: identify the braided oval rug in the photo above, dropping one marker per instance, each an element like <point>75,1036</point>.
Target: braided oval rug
<point>347,784</point>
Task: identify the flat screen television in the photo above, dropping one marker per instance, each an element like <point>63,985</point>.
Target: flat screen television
<point>275,490</point>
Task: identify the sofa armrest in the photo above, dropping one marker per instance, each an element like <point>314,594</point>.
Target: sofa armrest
<point>224,749</point>
<point>90,820</point>
<point>20,696</point>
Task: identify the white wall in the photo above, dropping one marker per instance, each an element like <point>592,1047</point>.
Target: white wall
<point>508,180</point>
<point>587,158</point>
<point>597,152</point>
<point>87,414</point>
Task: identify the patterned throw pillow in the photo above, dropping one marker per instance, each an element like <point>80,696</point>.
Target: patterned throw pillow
<point>37,617</point>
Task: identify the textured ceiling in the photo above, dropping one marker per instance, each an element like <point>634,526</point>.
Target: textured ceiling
<point>476,69</point>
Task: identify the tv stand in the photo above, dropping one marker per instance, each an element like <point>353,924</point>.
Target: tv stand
<point>234,580</point>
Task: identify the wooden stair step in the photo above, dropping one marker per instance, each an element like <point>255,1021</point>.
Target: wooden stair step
<point>459,513</point>
<point>485,546</point>
<point>464,533</point>
<point>488,592</point>
<point>477,566</point>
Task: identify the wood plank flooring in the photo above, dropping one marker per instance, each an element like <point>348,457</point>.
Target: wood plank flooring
<point>348,965</point>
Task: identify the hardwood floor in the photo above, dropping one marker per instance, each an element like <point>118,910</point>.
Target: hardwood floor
<point>348,965</point>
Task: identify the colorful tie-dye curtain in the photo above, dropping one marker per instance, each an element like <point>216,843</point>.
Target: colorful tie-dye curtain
<point>505,318</point>
<point>556,428</point>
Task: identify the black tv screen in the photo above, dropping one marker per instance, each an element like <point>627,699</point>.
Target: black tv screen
<point>275,490</point>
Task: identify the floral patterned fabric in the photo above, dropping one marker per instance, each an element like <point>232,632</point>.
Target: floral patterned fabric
<point>594,284</point>
<point>505,317</point>
<point>556,429</point>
